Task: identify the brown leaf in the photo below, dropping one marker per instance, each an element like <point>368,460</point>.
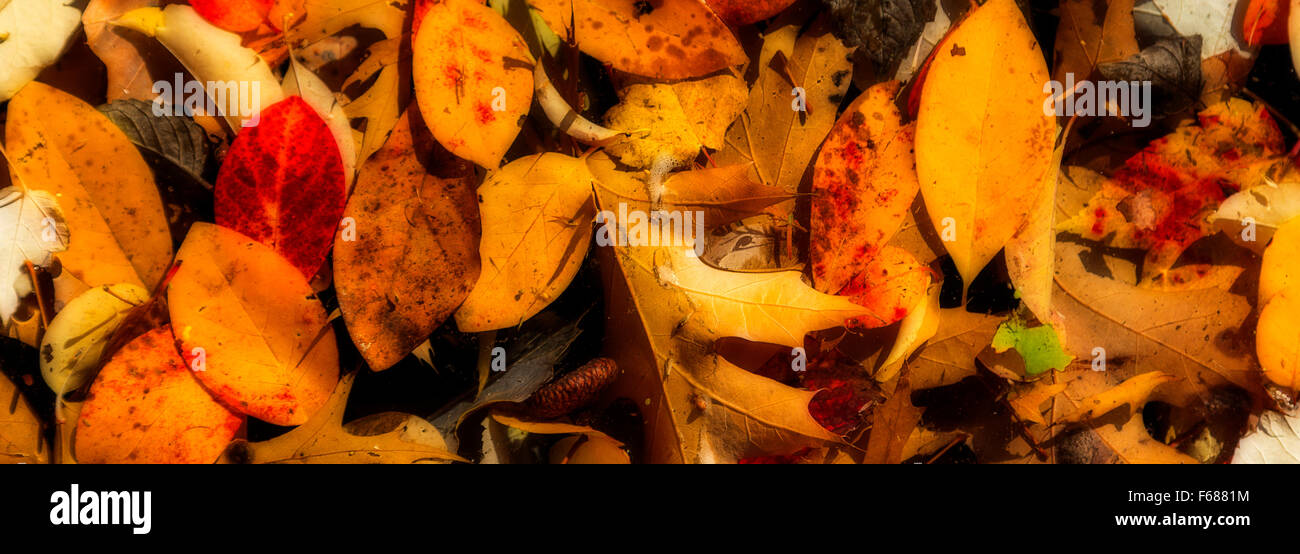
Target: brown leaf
<point>411,255</point>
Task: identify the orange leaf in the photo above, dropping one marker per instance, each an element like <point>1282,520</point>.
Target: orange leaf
<point>473,79</point>
<point>864,182</point>
<point>1266,22</point>
<point>254,323</point>
<point>669,39</point>
<point>889,287</point>
<point>145,407</point>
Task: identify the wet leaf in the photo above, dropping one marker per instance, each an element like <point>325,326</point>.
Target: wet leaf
<point>36,228</point>
<point>21,437</point>
<point>1171,65</point>
<point>76,338</point>
<point>884,29</point>
<point>389,438</point>
<point>36,33</point>
<point>178,139</point>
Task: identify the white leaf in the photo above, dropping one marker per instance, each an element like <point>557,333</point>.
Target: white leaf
<point>1268,206</point>
<point>33,34</point>
<point>1275,441</point>
<point>77,336</point>
<point>32,227</point>
<point>1212,19</point>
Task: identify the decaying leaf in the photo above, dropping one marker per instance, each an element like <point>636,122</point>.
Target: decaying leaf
<point>674,120</point>
<point>1092,32</point>
<point>145,407</point>
<point>246,317</point>
<point>282,183</point>
<point>884,29</point>
<point>134,61</point>
<point>668,39</point>
<point>35,228</point>
<point>865,181</point>
<point>744,12</point>
<point>802,79</point>
<point>77,336</point>
<point>983,142</point>
<point>407,255</point>
<point>473,79</point>
<point>1276,440</point>
<point>113,210</point>
<point>1173,68</point>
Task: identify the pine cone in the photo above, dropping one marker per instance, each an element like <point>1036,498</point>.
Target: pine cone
<point>572,391</point>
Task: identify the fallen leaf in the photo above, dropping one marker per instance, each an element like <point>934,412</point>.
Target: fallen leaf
<point>743,12</point>
<point>177,139</point>
<point>865,182</point>
<point>21,438</point>
<point>1092,32</point>
<point>282,183</point>
<point>1162,199</point>
<point>375,92</point>
<point>891,426</point>
<point>1275,440</point>
<point>388,438</point>
<point>676,119</point>
<point>145,407</point>
<point>1132,392</point>
<point>536,214</point>
<point>236,16</point>
<point>1276,338</point>
<point>134,62</point>
<point>981,131</point>
<point>213,56</point>
<point>1039,346</point>
<point>261,334</point>
<point>884,29</point>
<point>35,32</point>
<point>1265,22</point>
<point>1171,66</point>
<point>889,287</point>
<point>36,228</point>
<point>412,256</point>
<point>114,213</point>
<point>669,39</point>
<point>301,82</point>
<point>778,134</point>
<point>473,79</point>
<point>75,340</point>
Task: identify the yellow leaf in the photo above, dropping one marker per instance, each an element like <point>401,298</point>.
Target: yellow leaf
<point>389,438</point>
<point>674,120</point>
<point>536,215</point>
<point>1277,341</point>
<point>254,324</point>
<point>114,212</point>
<point>772,135</point>
<point>473,79</point>
<point>1133,392</point>
<point>667,39</point>
<point>983,142</point>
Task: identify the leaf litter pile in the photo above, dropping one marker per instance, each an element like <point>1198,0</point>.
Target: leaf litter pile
<point>649,231</point>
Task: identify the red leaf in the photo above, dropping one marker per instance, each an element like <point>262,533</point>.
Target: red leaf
<point>1265,22</point>
<point>282,184</point>
<point>236,16</point>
